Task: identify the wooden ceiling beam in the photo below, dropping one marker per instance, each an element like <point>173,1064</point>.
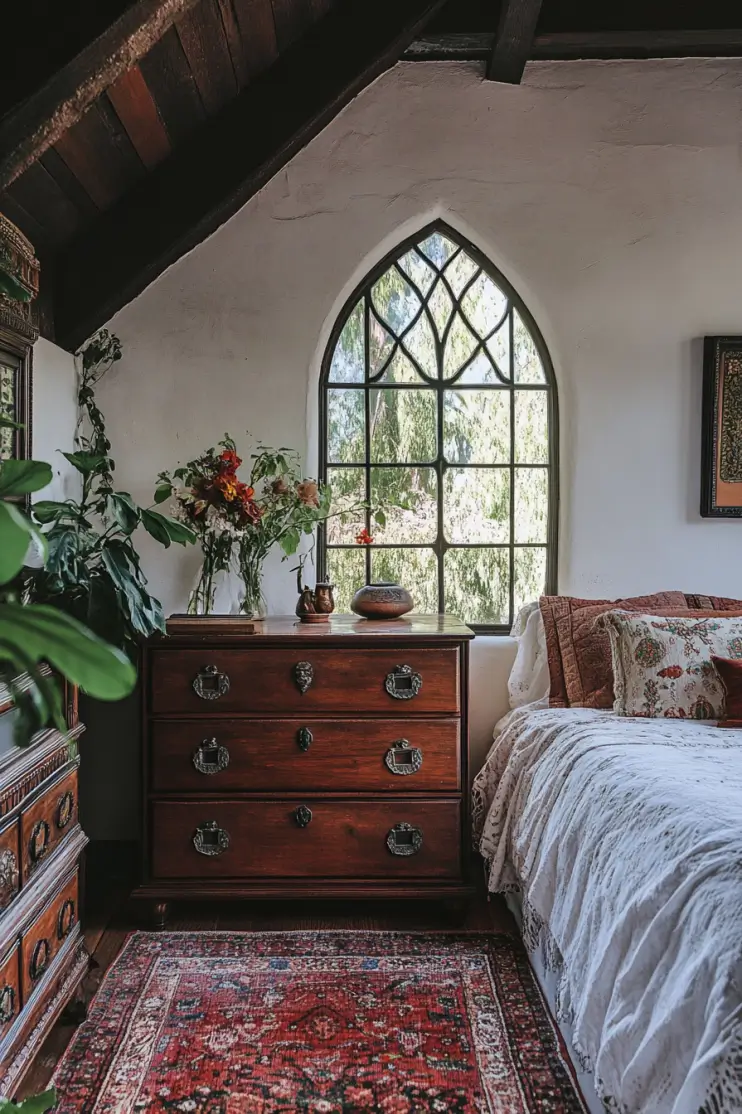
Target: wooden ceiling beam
<point>39,121</point>
<point>513,41</point>
<point>573,46</point>
<point>209,177</point>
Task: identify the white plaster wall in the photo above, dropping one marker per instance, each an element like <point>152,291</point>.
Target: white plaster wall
<point>54,416</point>
<point>608,193</point>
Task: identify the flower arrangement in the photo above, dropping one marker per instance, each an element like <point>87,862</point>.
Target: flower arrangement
<point>237,522</point>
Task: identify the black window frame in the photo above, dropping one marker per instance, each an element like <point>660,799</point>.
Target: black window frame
<point>441,546</point>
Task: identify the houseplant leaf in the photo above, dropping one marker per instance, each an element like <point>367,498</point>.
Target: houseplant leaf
<point>122,509</point>
<point>45,634</point>
<point>85,462</point>
<point>21,477</point>
<point>37,1104</point>
<point>159,525</point>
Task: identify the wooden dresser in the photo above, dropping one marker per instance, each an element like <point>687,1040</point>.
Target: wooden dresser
<point>306,761</point>
<point>42,956</point>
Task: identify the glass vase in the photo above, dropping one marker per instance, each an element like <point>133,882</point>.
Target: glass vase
<point>217,552</point>
<point>253,604</point>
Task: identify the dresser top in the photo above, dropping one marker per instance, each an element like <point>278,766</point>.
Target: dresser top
<point>288,627</point>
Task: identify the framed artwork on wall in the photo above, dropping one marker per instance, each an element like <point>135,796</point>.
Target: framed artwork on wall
<point>721,445</point>
<point>19,286</point>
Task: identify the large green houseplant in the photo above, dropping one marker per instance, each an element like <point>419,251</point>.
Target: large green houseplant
<point>35,634</point>
<point>93,572</point>
<point>38,1104</point>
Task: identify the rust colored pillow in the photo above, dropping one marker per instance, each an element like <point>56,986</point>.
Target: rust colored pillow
<point>730,672</point>
<point>712,603</point>
<point>582,675</point>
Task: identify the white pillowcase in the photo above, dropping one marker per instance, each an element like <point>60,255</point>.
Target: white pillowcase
<point>529,680</point>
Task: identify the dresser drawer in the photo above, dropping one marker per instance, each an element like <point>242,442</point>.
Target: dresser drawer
<point>9,871</point>
<point>306,839</point>
<point>10,988</point>
<point>45,937</point>
<point>304,680</point>
<point>46,822</point>
<point>342,755</point>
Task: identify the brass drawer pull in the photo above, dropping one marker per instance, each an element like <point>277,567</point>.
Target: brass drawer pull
<point>210,757</point>
<point>7,1004</point>
<point>302,815</point>
<point>210,684</point>
<point>65,809</point>
<point>404,839</point>
<point>39,959</point>
<point>403,759</point>
<point>304,738</point>
<point>209,839</point>
<point>403,683</point>
<point>303,675</point>
<point>38,844</point>
<point>66,919</point>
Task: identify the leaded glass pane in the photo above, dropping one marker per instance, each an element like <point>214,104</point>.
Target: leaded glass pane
<point>498,347</point>
<point>476,505</point>
<point>411,496</point>
<point>346,427</point>
<point>395,301</point>
<point>420,344</point>
<point>400,369</point>
<point>417,568</point>
<point>476,427</point>
<point>526,360</point>
<point>531,427</point>
<point>461,344</point>
<point>485,305</point>
<point>531,505</point>
<point>477,585</point>
<point>460,272</point>
<point>348,490</point>
<point>8,408</point>
<point>418,269</point>
<point>403,425</point>
<point>438,249</point>
<point>346,569</point>
<point>530,575</point>
<point>348,360</point>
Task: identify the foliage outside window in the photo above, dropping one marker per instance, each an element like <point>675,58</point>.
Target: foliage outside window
<point>438,399</point>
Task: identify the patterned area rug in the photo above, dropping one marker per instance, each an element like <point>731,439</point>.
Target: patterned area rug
<point>323,1022</point>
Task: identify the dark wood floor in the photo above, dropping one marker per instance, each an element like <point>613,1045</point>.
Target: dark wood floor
<point>110,916</point>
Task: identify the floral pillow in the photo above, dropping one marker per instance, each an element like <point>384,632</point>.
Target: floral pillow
<point>663,666</point>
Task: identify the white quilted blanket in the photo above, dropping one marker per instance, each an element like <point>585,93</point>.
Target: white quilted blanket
<point>625,836</point>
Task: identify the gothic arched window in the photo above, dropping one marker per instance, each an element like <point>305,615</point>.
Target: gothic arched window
<point>438,400</point>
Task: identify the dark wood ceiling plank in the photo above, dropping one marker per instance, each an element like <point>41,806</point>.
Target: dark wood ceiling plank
<point>40,195</point>
<point>135,107</point>
<point>292,18</point>
<point>100,155</point>
<point>205,44</point>
<point>173,86</point>
<point>570,45</point>
<point>68,183</point>
<point>514,40</point>
<point>234,42</point>
<point>258,31</point>
<point>208,179</point>
<point>37,123</point>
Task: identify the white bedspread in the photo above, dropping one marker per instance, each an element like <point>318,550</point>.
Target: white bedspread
<point>626,837</point>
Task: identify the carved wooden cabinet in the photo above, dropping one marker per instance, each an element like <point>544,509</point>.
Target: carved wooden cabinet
<point>306,761</point>
<point>42,955</point>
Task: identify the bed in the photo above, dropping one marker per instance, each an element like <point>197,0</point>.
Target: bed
<point>619,843</point>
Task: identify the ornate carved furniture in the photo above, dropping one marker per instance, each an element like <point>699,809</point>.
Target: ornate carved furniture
<point>19,285</point>
<point>42,956</point>
<point>306,761</point>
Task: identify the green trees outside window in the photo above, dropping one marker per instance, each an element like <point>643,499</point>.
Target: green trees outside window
<point>438,398</point>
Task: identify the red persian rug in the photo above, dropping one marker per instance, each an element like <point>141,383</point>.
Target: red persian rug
<point>323,1022</point>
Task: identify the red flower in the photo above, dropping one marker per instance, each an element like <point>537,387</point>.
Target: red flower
<point>673,671</point>
<point>230,460</point>
<point>364,538</point>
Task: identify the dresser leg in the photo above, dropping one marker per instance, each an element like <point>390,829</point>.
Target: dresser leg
<point>160,911</point>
